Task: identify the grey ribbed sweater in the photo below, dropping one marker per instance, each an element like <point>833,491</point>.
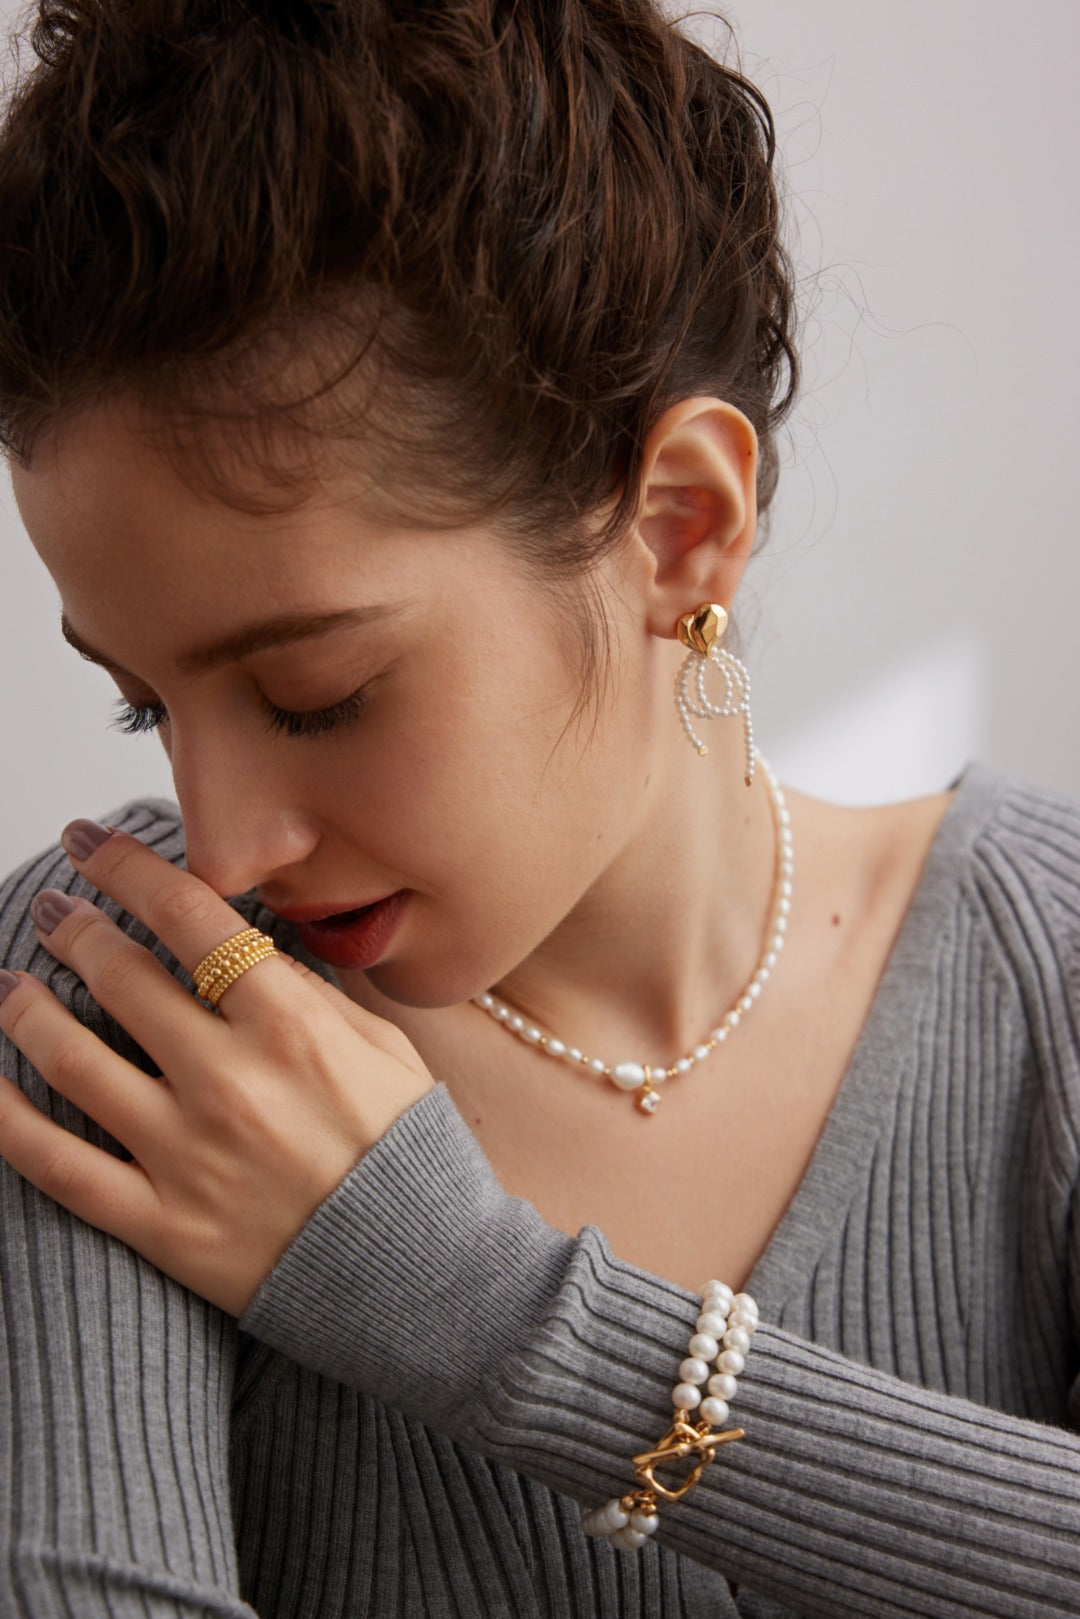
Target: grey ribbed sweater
<point>432,1377</point>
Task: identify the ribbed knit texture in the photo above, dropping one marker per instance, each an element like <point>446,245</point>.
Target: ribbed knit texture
<point>432,1377</point>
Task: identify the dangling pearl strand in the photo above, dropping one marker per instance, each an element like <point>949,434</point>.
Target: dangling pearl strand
<point>736,698</point>
<point>644,1077</point>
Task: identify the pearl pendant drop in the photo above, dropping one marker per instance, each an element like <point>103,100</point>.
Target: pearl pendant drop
<point>642,1079</point>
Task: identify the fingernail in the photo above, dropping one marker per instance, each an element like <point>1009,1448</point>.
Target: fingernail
<point>81,838</point>
<point>8,982</point>
<point>49,908</point>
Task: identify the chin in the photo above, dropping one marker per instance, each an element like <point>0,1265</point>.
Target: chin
<point>427,986</point>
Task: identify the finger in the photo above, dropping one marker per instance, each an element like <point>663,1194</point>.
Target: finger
<point>123,977</point>
<point>132,1107</point>
<point>184,912</point>
<point>99,1188</point>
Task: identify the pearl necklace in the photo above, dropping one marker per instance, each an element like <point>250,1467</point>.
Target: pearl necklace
<point>645,1077</point>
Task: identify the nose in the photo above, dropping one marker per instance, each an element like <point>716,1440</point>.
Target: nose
<point>243,819</point>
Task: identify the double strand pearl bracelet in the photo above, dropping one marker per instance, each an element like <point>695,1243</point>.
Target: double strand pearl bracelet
<point>722,1334</point>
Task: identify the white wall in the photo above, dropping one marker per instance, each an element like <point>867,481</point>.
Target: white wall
<point>917,597</point>
<point>915,604</point>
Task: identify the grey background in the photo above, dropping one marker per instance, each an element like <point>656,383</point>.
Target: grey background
<point>915,604</point>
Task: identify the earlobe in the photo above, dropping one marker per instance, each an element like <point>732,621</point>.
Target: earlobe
<point>699,507</point>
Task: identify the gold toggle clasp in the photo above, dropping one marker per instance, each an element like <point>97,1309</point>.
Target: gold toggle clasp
<point>681,1440</point>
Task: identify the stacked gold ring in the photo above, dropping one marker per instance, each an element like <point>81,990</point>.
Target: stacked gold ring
<point>230,961</point>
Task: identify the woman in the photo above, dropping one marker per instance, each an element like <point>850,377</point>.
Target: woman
<point>390,393</point>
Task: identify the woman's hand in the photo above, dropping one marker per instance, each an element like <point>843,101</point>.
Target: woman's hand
<point>261,1110</point>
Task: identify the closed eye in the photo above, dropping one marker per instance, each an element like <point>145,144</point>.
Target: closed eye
<point>136,720</point>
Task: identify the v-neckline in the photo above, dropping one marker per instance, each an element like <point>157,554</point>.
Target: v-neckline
<point>868,1088</point>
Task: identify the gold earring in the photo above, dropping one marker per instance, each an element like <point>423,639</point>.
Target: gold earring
<point>701,632</point>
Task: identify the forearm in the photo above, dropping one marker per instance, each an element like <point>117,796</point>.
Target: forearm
<point>853,1492</point>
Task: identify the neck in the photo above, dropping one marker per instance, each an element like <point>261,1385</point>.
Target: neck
<point>664,943</point>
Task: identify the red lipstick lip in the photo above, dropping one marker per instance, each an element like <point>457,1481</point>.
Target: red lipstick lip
<point>359,943</point>
<point>320,913</point>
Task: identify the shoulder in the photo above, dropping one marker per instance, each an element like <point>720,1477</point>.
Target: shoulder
<point>95,1333</point>
<point>1015,852</point>
<point>1016,848</point>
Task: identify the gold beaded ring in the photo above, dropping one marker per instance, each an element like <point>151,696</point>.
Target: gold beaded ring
<point>230,961</point>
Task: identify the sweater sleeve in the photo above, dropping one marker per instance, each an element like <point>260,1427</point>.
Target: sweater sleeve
<point>853,1493</point>
<point>115,1383</point>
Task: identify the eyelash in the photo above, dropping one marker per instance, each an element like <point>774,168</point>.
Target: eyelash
<point>133,720</point>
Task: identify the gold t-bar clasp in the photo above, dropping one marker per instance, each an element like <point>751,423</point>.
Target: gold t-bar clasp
<point>681,1440</point>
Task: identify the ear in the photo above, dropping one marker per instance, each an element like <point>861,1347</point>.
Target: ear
<point>698,507</point>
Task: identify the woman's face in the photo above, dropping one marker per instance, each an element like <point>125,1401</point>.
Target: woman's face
<point>459,786</point>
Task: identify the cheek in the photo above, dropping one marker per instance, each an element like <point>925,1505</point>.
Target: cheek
<point>473,782</point>
<point>498,851</point>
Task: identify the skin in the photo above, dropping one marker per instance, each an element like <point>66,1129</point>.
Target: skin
<point>605,878</point>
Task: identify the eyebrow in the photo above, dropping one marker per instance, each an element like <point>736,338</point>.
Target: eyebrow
<point>272,632</point>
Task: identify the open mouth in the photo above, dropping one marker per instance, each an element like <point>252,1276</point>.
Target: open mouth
<point>344,919</point>
<point>356,938</point>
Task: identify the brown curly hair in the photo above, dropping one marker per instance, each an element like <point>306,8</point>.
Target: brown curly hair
<point>496,237</point>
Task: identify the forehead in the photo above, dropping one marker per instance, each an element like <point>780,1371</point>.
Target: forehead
<point>114,466</point>
<point>109,488</point>
<point>143,555</point>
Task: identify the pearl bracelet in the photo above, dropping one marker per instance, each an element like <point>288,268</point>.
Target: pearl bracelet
<point>722,1334</point>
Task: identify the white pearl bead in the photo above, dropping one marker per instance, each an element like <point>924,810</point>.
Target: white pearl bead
<point>762,975</point>
<point>628,1540</point>
<point>720,1290</point>
<point>781,924</point>
<point>739,1318</point>
<point>614,1514</point>
<point>575,1055</point>
<point>736,1338</point>
<point>502,1013</point>
<point>693,1370</point>
<point>487,1002</point>
<point>730,1360</point>
<point>753,990</point>
<point>593,1523</point>
<point>723,1385</point>
<point>556,1048</point>
<point>719,1035</point>
<point>628,1075</point>
<point>704,1346</point>
<point>596,1065</point>
<point>646,1523</point>
<point>770,960</point>
<point>684,1397</point>
<point>712,1322</point>
<point>684,1065</point>
<point>745,1004</point>
<point>700,1053</point>
<point>532,1034</point>
<point>783,906</point>
<point>743,1301</point>
<point>715,1411</point>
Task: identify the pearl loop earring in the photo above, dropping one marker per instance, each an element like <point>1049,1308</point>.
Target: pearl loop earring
<point>701,632</point>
